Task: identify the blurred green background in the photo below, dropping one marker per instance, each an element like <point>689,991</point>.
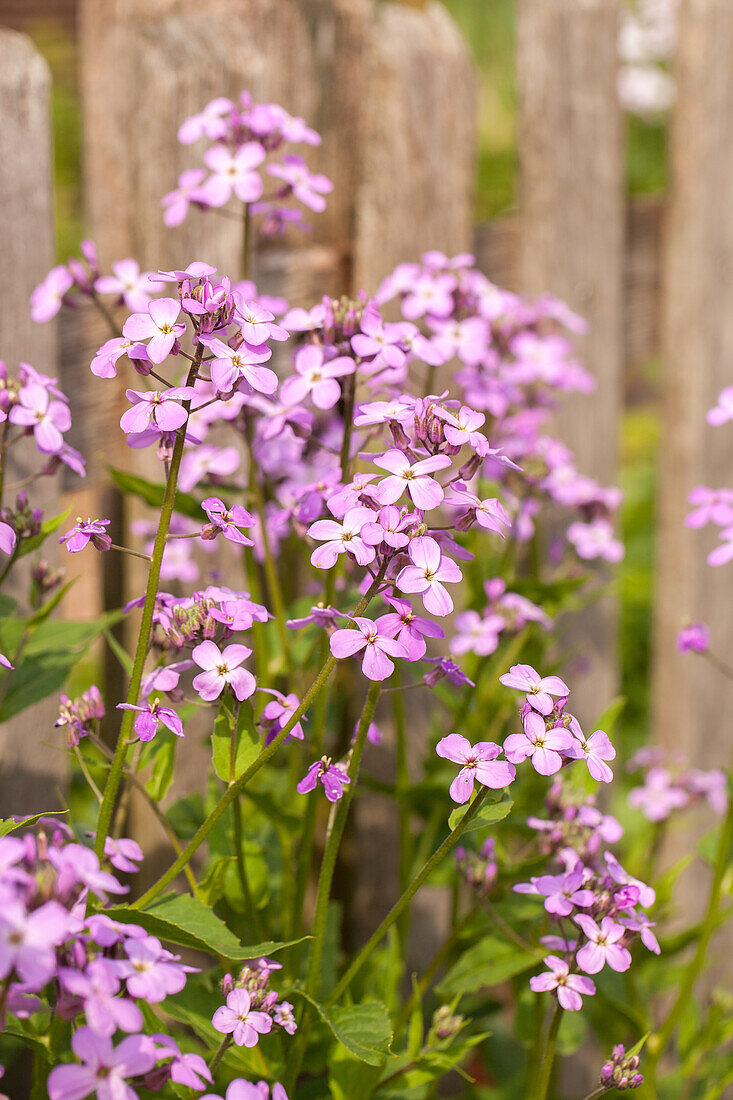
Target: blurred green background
<point>489,28</point>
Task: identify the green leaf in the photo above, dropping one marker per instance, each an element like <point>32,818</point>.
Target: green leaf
<point>489,814</point>
<point>50,605</point>
<point>153,494</point>
<point>9,825</point>
<point>638,1047</point>
<point>27,546</point>
<point>349,1078</point>
<point>162,777</point>
<point>188,922</point>
<point>364,1029</point>
<point>247,742</point>
<point>487,963</point>
<point>211,887</point>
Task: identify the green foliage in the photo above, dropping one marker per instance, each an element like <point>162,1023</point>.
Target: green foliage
<point>152,493</point>
<point>489,814</point>
<point>362,1029</point>
<point>491,961</point>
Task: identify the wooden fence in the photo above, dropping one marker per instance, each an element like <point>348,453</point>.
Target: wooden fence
<point>391,88</point>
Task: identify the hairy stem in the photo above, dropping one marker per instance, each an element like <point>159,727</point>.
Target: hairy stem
<point>106,810</point>
<point>544,1073</point>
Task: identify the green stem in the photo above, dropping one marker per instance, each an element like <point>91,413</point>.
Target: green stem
<point>402,784</point>
<point>233,791</point>
<point>271,573</point>
<point>250,906</point>
<point>106,810</point>
<point>426,979</point>
<point>349,399</point>
<point>596,1092</point>
<point>401,904</point>
<point>548,1056</point>
<point>219,1053</point>
<point>658,1042</point>
<point>501,924</point>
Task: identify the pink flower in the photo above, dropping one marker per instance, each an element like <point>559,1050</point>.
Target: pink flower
<point>408,628</point>
<point>104,363</point>
<point>539,744</point>
<point>207,461</point>
<point>227,521</point>
<point>603,946</point>
<point>488,513</point>
<point>316,377</point>
<point>236,1018</point>
<point>595,749</point>
<point>160,410</point>
<point>81,534</point>
<point>341,538</point>
<point>257,323</point>
<point>695,637</point>
<point>98,987</point>
<point>46,417</point>
<point>277,713</point>
<point>377,338</point>
<point>659,796</point>
<point>333,778</point>
<point>129,283</point>
<point>563,892</point>
<point>647,895</point>
<point>230,365</point>
<point>28,940</point>
<point>150,972</point>
<point>208,123</point>
<point>124,854</point>
<point>151,716</point>
<point>463,426</point>
<point>221,670</point>
<point>476,633</point>
<point>105,1067</point>
<point>426,493</point>
<point>723,411</point>
<point>8,538</point>
<point>539,689</point>
<point>159,325</point>
<point>378,646</point>
<point>569,986</point>
<point>595,540</point>
<point>389,526</point>
<point>183,1068</point>
<point>429,573</point>
<point>478,763</point>
<point>177,202</point>
<point>48,296</point>
<point>233,172</point>
<point>307,187</point>
<point>429,294</point>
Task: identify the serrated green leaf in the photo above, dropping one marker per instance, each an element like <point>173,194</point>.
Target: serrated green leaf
<point>152,493</point>
<point>27,546</point>
<point>489,814</point>
<point>211,887</point>
<point>364,1030</point>
<point>487,963</point>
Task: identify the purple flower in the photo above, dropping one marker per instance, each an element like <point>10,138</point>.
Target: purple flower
<point>184,1069</point>
<point>177,202</point>
<point>333,777</point>
<point>315,377</point>
<point>151,716</point>
<point>28,940</point>
<point>647,895</point>
<point>8,538</point>
<point>83,533</point>
<point>341,538</point>
<point>695,637</point>
<point>377,338</point>
<point>128,282</point>
<point>47,418</point>
<point>595,540</point>
<point>98,987</point>
<point>48,296</point>
<point>307,187</point>
<point>539,689</point>
<point>488,513</point>
<point>233,173</point>
<point>569,986</point>
<point>539,744</point>
<point>256,322</point>
<point>476,633</point>
<point>237,1019</point>
<point>221,670</point>
<point>227,520</point>
<point>408,628</point>
<point>723,411</point>
<point>124,854</point>
<point>105,1068</point>
<point>373,636</point>
<point>445,668</point>
<point>206,461</point>
<point>595,750</point>
<point>156,410</point>
<point>659,796</point>
<point>389,527</point>
<point>603,945</point>
<point>277,713</point>
<point>230,365</point>
<point>208,123</point>
<point>425,492</point>
<point>478,763</point>
<point>563,892</point>
<point>285,1018</point>
<point>159,325</point>
<point>150,972</point>
<point>77,866</point>
<point>430,571</point>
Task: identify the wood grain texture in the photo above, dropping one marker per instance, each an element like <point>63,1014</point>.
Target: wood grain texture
<point>571,244</point>
<point>417,158</point>
<point>29,772</point>
<point>689,697</point>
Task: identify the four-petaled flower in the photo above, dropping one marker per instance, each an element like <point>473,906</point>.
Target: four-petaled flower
<point>603,945</point>
<point>226,521</point>
<point>341,538</point>
<point>81,534</point>
<point>478,763</point>
<point>129,283</point>
<point>539,689</point>
<point>595,750</point>
<point>333,778</point>
<point>150,716</point>
<point>543,746</point>
<point>221,669</point>
<point>237,1019</point>
<point>425,492</point>
<point>375,638</point>
<point>159,325</point>
<point>430,571</point>
<point>315,377</point>
<point>105,1068</point>
<point>569,986</point>
<point>47,418</point>
<point>232,172</point>
<point>232,365</point>
<point>156,410</point>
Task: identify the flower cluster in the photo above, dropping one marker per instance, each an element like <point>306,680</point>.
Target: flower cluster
<point>666,789</point>
<point>621,1071</point>
<point>595,906</point>
<point>251,1009</point>
<point>242,137</point>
